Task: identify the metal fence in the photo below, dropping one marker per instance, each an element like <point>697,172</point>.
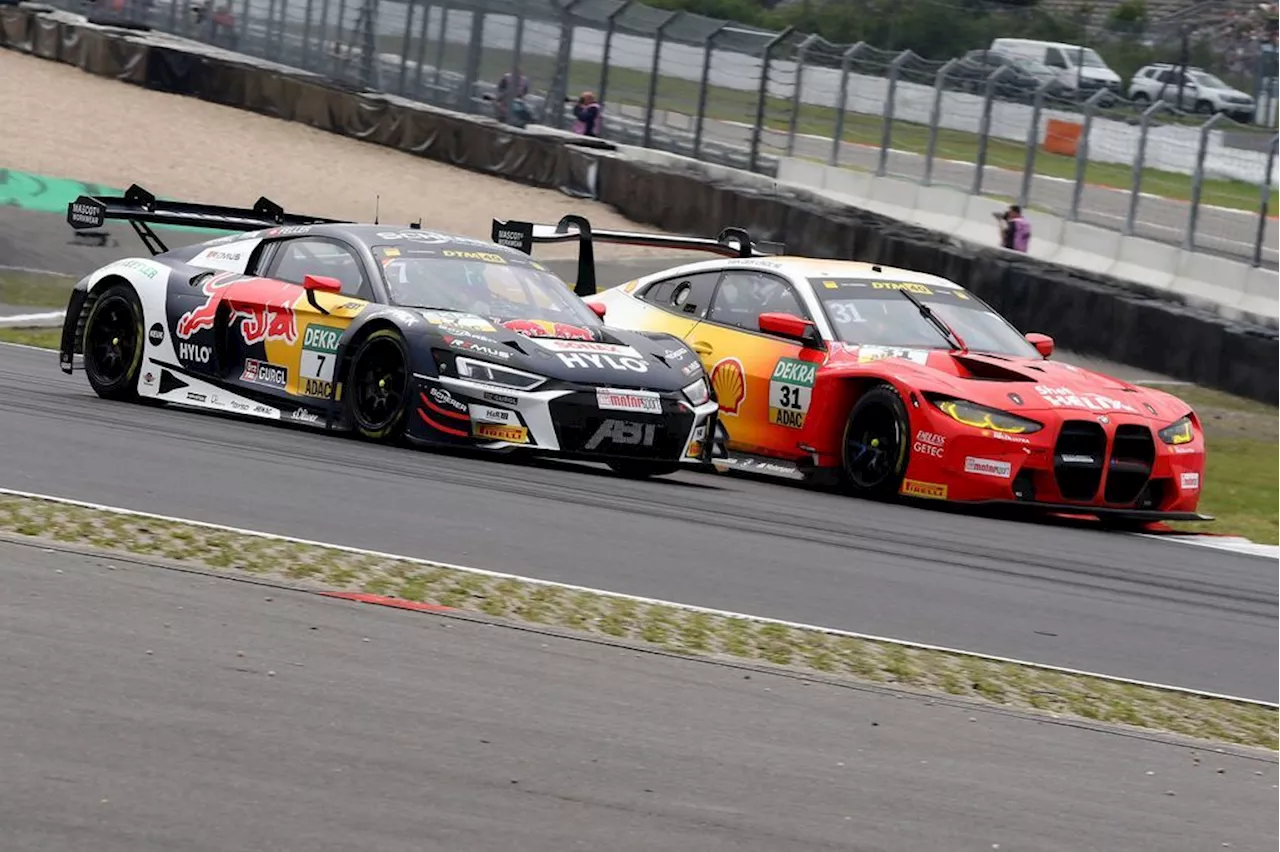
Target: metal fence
<point>745,97</point>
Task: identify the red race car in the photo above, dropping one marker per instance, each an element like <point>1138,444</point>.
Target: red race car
<point>901,383</point>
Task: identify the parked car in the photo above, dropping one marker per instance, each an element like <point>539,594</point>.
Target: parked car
<point>1202,92</point>
<point>1020,83</point>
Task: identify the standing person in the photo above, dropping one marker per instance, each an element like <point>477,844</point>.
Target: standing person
<point>520,93</point>
<point>1015,230</point>
<point>586,115</point>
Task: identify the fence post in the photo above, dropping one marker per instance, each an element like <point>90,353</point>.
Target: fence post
<point>1033,144</point>
<point>1265,201</point>
<point>564,65</point>
<point>404,47</point>
<point>306,33</point>
<point>441,41</point>
<point>1197,181</point>
<point>651,99</point>
<point>1139,161</point>
<point>795,96</point>
<point>763,93</point>
<point>702,89</point>
<point>513,89</point>
<point>984,128</point>
<point>1082,153</point>
<point>886,132</point>
<point>471,67</point>
<point>935,115</point>
<point>846,59</point>
<point>243,21</point>
<point>611,26</point>
<point>336,53</point>
<point>422,52</point>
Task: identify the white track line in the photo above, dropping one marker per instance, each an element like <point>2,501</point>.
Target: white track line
<point>634,598</point>
<point>19,319</point>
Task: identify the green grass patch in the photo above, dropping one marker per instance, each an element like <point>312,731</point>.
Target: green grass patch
<point>45,338</point>
<point>665,628</point>
<point>34,289</point>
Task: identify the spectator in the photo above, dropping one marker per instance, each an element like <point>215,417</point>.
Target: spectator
<point>521,92</point>
<point>1015,231</point>
<point>586,114</point>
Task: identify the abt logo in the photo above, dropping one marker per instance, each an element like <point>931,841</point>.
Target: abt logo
<point>192,352</point>
<point>623,432</point>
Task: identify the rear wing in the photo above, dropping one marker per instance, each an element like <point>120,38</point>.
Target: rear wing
<point>731,242</point>
<point>141,209</point>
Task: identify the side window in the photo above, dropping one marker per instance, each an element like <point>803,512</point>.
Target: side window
<point>688,294</point>
<point>744,295</point>
<point>1054,58</point>
<point>295,259</point>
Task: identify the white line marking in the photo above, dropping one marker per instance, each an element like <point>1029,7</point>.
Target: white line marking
<point>17,319</point>
<point>633,598</point>
<point>1234,544</point>
<point>44,349</point>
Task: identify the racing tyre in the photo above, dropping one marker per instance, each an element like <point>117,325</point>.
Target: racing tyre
<point>638,469</point>
<point>113,343</point>
<point>877,438</point>
<point>377,391</point>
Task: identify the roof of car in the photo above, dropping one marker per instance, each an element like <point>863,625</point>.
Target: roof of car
<point>816,267</point>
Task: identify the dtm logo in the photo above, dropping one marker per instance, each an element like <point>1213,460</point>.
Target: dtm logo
<point>623,432</point>
<point>192,352</point>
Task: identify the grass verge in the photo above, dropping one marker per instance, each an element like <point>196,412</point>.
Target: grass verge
<point>629,86</point>
<point>34,289</point>
<point>45,338</point>
<point>669,628</point>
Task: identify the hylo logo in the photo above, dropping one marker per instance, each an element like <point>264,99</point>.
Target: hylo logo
<point>192,352</point>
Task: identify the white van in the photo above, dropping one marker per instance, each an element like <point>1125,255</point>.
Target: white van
<point>1078,67</point>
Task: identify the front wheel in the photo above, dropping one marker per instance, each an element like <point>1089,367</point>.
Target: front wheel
<point>377,393</point>
<point>113,344</point>
<point>639,469</point>
<point>877,439</point>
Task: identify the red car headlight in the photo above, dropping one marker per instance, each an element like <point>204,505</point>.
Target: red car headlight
<point>982,417</point>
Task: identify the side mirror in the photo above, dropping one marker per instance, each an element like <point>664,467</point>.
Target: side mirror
<point>598,309</point>
<point>322,282</point>
<point>1042,342</point>
<point>792,326</point>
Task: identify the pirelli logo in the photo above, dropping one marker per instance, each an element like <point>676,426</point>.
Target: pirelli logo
<point>927,490</point>
<point>498,432</point>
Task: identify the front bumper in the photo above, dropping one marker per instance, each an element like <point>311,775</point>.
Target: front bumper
<point>1074,464</point>
<point>566,420</point>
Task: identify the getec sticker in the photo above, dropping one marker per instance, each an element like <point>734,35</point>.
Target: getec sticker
<point>927,490</point>
<point>644,402</point>
<point>929,444</point>
<point>791,391</point>
<point>319,348</point>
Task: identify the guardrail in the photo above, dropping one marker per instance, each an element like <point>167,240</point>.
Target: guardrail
<point>737,95</point>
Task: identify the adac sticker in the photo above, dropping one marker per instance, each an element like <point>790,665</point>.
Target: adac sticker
<point>730,382</point>
<point>791,391</point>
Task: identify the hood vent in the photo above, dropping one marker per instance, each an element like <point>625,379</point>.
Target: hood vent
<point>984,370</point>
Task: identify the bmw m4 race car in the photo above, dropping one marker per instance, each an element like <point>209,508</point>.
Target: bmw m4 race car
<point>898,383</point>
<point>380,330</point>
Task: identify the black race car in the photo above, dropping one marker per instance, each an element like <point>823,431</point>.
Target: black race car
<point>382,330</point>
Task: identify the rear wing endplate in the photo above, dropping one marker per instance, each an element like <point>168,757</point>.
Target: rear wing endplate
<point>142,209</point>
<point>731,242</point>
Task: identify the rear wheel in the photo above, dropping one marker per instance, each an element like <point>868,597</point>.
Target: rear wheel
<point>877,439</point>
<point>377,392</point>
<point>113,343</point>
<point>641,469</point>
<point>1204,107</point>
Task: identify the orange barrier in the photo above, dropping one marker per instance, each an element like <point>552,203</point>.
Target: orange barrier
<point>1061,137</point>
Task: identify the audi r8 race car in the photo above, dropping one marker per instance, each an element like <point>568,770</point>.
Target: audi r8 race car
<point>895,382</point>
<point>380,330</point>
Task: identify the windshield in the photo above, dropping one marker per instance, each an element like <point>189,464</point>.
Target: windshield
<point>872,312</point>
<point>1091,59</point>
<point>479,282</point>
<point>1031,66</point>
<point>1207,81</point>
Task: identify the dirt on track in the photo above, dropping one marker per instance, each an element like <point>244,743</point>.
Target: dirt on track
<point>74,125</point>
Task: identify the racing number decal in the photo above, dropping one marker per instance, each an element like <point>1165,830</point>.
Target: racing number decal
<point>319,349</point>
<point>791,392</point>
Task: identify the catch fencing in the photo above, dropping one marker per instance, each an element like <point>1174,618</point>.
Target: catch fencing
<point>744,97</point>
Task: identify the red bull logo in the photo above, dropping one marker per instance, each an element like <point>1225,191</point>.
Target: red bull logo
<point>264,308</point>
<point>547,328</point>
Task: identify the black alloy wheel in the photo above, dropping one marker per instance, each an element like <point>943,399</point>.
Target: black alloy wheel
<point>877,439</point>
<point>377,391</point>
<point>113,344</point>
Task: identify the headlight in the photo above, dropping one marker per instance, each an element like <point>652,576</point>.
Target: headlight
<point>1178,433</point>
<point>698,392</point>
<point>495,374</point>
<point>981,417</point>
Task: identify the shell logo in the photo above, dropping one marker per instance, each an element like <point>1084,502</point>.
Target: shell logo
<point>730,382</point>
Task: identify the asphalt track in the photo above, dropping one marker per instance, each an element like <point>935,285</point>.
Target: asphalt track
<point>1121,605</point>
<point>144,709</point>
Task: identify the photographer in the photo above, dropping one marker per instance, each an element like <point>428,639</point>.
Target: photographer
<point>1015,231</point>
<point>586,115</point>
